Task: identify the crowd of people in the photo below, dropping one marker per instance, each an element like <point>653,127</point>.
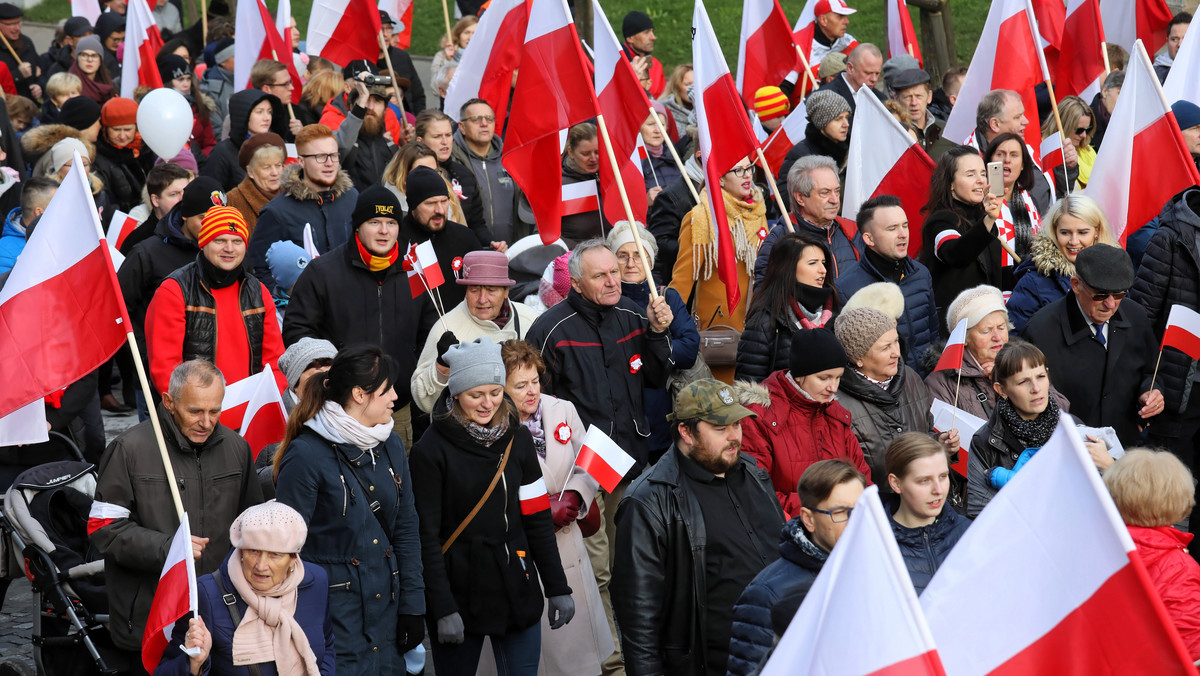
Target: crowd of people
<point>426,493</point>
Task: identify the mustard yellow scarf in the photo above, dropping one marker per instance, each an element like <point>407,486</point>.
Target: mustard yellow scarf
<point>746,220</point>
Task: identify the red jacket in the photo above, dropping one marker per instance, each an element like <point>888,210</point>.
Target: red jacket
<point>335,113</point>
<point>792,432</point>
<point>1175,575</point>
<point>658,82</point>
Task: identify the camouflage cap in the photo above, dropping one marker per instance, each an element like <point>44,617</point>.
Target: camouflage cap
<point>709,400</point>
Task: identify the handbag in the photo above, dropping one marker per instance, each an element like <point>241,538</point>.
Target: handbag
<point>681,378</point>
<point>479,505</point>
<point>718,344</point>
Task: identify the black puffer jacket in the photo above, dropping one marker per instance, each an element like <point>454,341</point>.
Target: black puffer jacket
<point>968,258</point>
<point>123,173</point>
<point>878,416</point>
<point>663,220</point>
<point>925,548</point>
<point>222,162</point>
<point>766,343</point>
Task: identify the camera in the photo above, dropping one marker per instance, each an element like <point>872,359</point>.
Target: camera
<point>377,80</point>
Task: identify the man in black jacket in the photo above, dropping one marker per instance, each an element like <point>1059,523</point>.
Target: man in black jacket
<point>25,72</point>
<point>428,219</point>
<point>692,532</point>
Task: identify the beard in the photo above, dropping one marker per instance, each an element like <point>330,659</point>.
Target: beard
<point>372,125</point>
<point>712,460</point>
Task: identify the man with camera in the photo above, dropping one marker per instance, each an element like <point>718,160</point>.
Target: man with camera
<point>367,130</point>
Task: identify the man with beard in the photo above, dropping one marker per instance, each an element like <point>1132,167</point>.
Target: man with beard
<point>692,532</point>
<point>429,204</point>
<point>364,146</point>
<point>314,204</point>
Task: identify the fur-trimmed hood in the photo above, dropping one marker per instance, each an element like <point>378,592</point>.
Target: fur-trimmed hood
<point>1048,259</point>
<point>749,393</point>
<point>293,184</point>
<point>40,139</point>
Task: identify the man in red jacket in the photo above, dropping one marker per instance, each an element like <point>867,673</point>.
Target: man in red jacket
<point>638,30</point>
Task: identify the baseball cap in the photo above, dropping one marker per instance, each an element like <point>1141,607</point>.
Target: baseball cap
<point>836,6</point>
<point>709,400</point>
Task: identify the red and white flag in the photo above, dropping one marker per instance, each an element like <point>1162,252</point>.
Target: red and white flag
<point>255,406</point>
<point>104,514</point>
<point>884,159</point>
<point>344,30</point>
<point>1183,82</point>
<point>174,597</point>
<point>581,197</point>
<point>553,93</point>
<point>283,22</point>
<point>259,38</point>
<point>1051,16</point>
<point>1007,57</point>
<point>424,273</point>
<point>766,53</point>
<point>863,583</point>
<point>725,137</point>
<point>401,13</point>
<point>61,311</point>
<point>120,227</point>
<point>952,354</point>
<point>1082,72</point>
<point>1052,152</point>
<point>786,137</point>
<point>806,24</point>
<point>490,59</point>
<point>1051,571</point>
<point>603,459</point>
<point>142,42</point>
<point>624,105</point>
<point>1127,21</point>
<point>902,37</point>
<point>1143,140</point>
<point>88,9</point>
<point>1183,331</point>
<point>534,497</point>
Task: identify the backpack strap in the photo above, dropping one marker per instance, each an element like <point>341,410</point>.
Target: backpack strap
<point>230,602</point>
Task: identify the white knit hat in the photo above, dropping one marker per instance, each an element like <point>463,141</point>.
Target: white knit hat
<point>975,304</point>
<point>621,234</point>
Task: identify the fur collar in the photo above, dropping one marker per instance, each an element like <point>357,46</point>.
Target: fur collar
<point>752,393</point>
<point>37,141</point>
<point>293,184</point>
<point>1048,258</point>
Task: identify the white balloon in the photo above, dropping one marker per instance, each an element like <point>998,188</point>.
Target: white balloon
<point>165,119</point>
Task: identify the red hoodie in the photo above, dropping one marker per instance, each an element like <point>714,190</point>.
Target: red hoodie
<point>1175,575</point>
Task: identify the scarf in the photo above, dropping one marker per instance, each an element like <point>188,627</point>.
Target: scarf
<point>254,198</point>
<point>376,263</point>
<point>745,220</point>
<point>1019,221</point>
<point>655,151</point>
<point>1031,433</point>
<point>534,424</point>
<point>486,436</point>
<point>333,423</point>
<point>96,91</point>
<point>694,171</point>
<point>269,631</point>
<point>215,277</point>
<point>813,305</point>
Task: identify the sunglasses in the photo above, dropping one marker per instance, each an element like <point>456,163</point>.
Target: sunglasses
<point>1082,130</point>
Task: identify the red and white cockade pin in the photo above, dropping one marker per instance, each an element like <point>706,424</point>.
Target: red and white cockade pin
<point>562,433</point>
<point>635,363</point>
<point>762,233</point>
<point>456,265</point>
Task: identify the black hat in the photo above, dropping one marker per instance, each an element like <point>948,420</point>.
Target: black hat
<point>357,66</point>
<point>77,27</point>
<point>384,17</point>
<point>79,112</point>
<point>10,11</point>
<point>813,351</point>
<point>171,66</point>
<point>376,201</point>
<point>200,195</point>
<point>910,77</point>
<point>1104,267</point>
<point>109,23</point>
<point>635,22</point>
<point>422,184</point>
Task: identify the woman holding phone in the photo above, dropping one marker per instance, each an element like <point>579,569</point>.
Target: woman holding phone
<point>1019,217</point>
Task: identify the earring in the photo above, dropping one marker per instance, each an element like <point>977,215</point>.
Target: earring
<point>291,570</point>
<point>860,364</point>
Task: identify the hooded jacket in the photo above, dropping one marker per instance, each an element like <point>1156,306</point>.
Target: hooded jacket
<point>222,162</point>
<point>1175,576</point>
<point>498,192</point>
<point>1042,278</point>
<point>12,240</point>
<point>925,548</point>
<point>878,416</point>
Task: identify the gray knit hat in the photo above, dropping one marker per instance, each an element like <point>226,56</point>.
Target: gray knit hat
<point>295,360</point>
<point>858,329</point>
<point>474,364</point>
<point>823,106</point>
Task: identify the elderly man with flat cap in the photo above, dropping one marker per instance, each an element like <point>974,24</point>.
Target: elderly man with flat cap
<point>1100,346</point>
<point>911,89</point>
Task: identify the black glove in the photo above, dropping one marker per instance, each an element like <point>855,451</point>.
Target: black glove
<point>410,631</point>
<point>444,344</point>
<point>562,609</point>
<point>450,629</point>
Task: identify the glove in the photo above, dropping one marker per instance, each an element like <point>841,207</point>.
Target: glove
<point>450,629</point>
<point>444,343</point>
<point>562,609</point>
<point>410,631</point>
<point>999,476</point>
<point>566,510</point>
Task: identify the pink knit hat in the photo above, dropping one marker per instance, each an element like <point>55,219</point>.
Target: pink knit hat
<point>269,527</point>
<point>556,283</point>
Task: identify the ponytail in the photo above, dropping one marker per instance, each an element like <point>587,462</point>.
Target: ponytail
<point>312,399</point>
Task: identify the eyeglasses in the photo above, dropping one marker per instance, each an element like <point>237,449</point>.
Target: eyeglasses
<point>479,119</point>
<point>282,84</point>
<point>1118,295</point>
<point>839,515</point>
<point>89,56</point>
<point>625,258</point>
<point>742,172</point>
<point>322,158</point>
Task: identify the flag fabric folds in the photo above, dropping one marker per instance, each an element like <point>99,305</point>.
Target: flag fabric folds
<point>1183,82</point>
<point>786,137</point>
<point>1127,21</point>
<point>533,497</point>
<point>488,62</point>
<point>902,37</point>
<point>766,53</point>
<point>174,598</point>
<point>142,42</point>
<point>1080,71</point>
<point>603,459</point>
<point>952,354</point>
<point>1052,152</point>
<point>1183,331</point>
<point>259,38</point>
<point>344,30</point>
<point>255,408</point>
<point>424,273</point>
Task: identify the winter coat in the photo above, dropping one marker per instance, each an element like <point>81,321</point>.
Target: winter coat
<point>575,227</point>
<point>1042,278</point>
<point>12,240</point>
<point>842,238</point>
<point>312,614</point>
<point>792,432</point>
<point>766,343</point>
<point>878,416</point>
<point>800,561</point>
<point>660,171</point>
<point>658,580</point>
<point>216,483</point>
<point>217,83</point>
<point>363,157</point>
<point>925,548</point>
<point>203,139</point>
<point>918,326</point>
<point>299,205</point>
<point>602,359</point>
<point>35,145</point>
<point>814,143</point>
<point>967,256</point>
<point>25,49</point>
<point>222,164</point>
<point>663,219</point>
<point>994,445</point>
<point>1175,577</point>
<point>248,199</point>
<point>976,396</point>
<point>149,264</point>
<point>402,63</point>
<point>466,187</point>
<point>482,577</point>
<point>338,299</point>
<point>452,242</point>
<point>374,576</point>
<point>123,173</point>
<point>498,193</point>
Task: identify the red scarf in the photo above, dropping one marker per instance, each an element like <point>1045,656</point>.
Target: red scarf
<point>377,263</point>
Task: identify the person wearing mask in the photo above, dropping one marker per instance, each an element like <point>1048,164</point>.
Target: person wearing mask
<point>1002,111</point>
<point>1176,30</point>
<point>428,220</point>
<point>251,111</point>
<point>489,556</point>
<point>178,75</point>
<point>676,98</point>
<point>827,133</point>
<point>864,66</point>
<point>165,184</point>
<point>435,129</point>
<point>122,159</point>
<point>637,30</point>
<point>344,470</point>
<point>262,157</point>
<point>24,65</point>
<point>1019,219</point>
<point>89,67</point>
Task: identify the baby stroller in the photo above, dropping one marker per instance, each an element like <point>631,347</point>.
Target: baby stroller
<point>43,535</point>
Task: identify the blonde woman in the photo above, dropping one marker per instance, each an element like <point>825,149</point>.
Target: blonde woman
<point>417,154</point>
<point>1079,123</point>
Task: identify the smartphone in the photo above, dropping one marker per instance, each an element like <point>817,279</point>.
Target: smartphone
<point>995,172</point>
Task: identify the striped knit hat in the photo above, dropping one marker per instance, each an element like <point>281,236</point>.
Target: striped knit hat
<point>222,221</point>
<point>770,103</point>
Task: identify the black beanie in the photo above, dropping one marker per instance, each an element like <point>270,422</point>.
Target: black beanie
<point>635,22</point>
<point>422,184</point>
<point>376,201</point>
<point>200,195</point>
<point>813,351</point>
<point>171,66</point>
<point>109,23</point>
<point>79,112</point>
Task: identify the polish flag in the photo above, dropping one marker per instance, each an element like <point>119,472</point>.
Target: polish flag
<point>946,418</point>
<point>61,312</point>
<point>1052,152</point>
<point>490,59</point>
<point>582,197</point>
<point>142,42</point>
<point>902,37</point>
<point>1183,331</point>
<point>283,22</point>
<point>121,225</point>
<point>534,497</point>
<point>1143,139</point>
<point>344,30</point>
<point>553,93</point>
<point>806,24</point>
<point>863,583</point>
<point>725,137</point>
<point>624,105</point>
<point>885,160</point>
<point>952,354</point>
<point>603,459</point>
<point>424,273</point>
<point>766,53</point>
<point>259,38</point>
<point>1051,16</point>
<point>88,9</point>
<point>1183,82</point>
<point>174,597</point>
<point>1083,39</point>
<point>1006,57</point>
<point>401,12</point>
<point>786,137</point>
<point>1053,574</point>
<point>255,405</point>
<point>104,514</point>
<point>1127,21</point>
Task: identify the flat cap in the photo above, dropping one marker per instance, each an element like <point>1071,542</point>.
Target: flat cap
<point>1104,267</point>
<point>909,77</point>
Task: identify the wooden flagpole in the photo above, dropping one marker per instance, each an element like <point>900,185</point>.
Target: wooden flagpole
<point>675,154</point>
<point>633,227</point>
<point>783,210</point>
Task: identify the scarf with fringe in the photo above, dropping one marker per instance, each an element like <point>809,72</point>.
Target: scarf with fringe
<point>746,219</point>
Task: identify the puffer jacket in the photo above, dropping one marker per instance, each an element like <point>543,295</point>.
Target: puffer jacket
<point>222,164</point>
<point>918,325</point>
<point>800,561</point>
<point>123,173</point>
<point>766,343</point>
<point>791,432</point>
<point>878,416</point>
<point>150,262</point>
<point>1175,576</point>
<point>12,240</point>
<point>1042,278</point>
<point>1170,275</point>
<point>925,548</point>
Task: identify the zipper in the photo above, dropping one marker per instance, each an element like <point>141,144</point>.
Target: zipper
<point>344,496</point>
<point>200,482</point>
<point>379,307</point>
<point>504,484</point>
<point>487,181</point>
<point>928,548</point>
<point>343,585</point>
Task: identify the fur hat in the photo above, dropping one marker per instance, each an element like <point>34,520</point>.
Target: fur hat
<point>883,296</point>
<point>975,304</point>
<point>859,329</point>
<point>825,105</point>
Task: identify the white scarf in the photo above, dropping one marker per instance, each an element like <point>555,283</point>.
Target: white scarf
<point>333,423</point>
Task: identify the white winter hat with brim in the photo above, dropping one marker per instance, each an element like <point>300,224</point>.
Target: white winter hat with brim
<point>974,304</point>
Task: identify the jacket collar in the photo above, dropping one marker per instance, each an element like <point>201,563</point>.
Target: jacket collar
<point>293,184</point>
<point>1077,328</point>
<point>798,548</point>
<point>173,434</point>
